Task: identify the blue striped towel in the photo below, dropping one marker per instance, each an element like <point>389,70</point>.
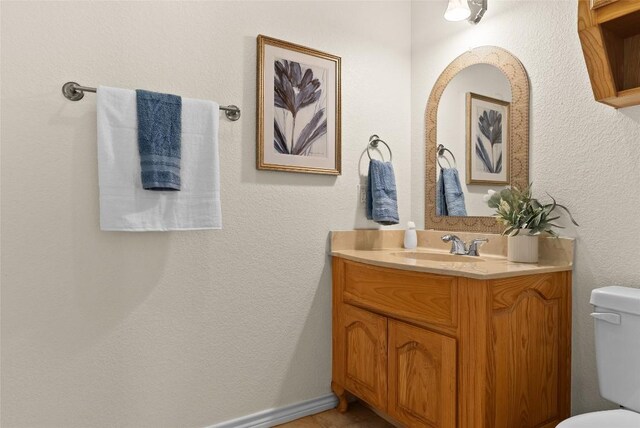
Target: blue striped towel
<point>382,197</point>
<point>449,194</point>
<point>159,128</point>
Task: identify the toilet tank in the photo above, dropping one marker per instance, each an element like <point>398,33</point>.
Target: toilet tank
<point>617,337</point>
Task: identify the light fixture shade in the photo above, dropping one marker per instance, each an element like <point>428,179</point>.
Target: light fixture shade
<point>457,10</point>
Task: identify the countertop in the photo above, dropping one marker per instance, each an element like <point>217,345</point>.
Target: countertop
<point>556,255</point>
<point>487,267</point>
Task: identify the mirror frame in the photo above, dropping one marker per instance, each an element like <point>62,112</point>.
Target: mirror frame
<point>518,131</point>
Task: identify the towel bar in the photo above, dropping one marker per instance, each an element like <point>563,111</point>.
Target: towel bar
<point>440,154</point>
<point>373,142</point>
<point>75,92</point>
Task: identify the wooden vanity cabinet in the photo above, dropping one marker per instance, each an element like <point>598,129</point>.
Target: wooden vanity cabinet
<point>442,351</point>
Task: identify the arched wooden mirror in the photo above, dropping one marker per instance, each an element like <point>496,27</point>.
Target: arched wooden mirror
<point>477,138</point>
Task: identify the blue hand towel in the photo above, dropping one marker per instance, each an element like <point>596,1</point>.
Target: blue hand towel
<point>159,128</point>
<point>441,200</point>
<point>382,198</point>
<point>449,195</point>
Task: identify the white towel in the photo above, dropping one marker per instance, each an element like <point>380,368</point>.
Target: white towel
<point>124,204</point>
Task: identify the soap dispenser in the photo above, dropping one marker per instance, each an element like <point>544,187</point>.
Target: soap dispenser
<point>410,236</point>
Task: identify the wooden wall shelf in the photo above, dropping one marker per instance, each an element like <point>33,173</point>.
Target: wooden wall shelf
<point>610,36</point>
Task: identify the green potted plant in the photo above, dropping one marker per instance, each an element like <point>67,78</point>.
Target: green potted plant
<point>525,218</point>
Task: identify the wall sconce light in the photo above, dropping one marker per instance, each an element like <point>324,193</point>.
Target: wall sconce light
<point>459,10</point>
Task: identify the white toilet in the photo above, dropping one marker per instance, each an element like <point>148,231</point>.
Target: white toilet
<point>617,323</point>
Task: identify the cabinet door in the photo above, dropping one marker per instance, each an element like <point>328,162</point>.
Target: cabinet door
<point>422,377</point>
<point>531,342</point>
<point>365,355</point>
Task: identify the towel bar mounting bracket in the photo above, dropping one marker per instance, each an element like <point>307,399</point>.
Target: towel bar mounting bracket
<point>71,91</point>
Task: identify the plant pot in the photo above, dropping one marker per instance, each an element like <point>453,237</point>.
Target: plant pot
<point>522,248</point>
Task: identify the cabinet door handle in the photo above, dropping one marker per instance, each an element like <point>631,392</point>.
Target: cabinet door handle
<point>607,316</point>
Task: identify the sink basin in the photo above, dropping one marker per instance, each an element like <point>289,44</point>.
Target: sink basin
<point>438,257</point>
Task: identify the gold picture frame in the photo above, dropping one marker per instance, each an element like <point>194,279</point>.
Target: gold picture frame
<point>488,176</point>
<point>298,109</point>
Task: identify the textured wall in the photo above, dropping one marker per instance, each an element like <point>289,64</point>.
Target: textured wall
<point>186,328</point>
<point>584,153</point>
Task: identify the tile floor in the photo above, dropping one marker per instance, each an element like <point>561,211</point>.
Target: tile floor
<point>358,416</point>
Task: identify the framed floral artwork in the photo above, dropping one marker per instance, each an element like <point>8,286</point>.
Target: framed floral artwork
<point>298,127</point>
<point>487,140</point>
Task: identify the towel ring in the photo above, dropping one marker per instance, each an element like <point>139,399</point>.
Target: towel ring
<point>373,142</point>
<point>440,154</point>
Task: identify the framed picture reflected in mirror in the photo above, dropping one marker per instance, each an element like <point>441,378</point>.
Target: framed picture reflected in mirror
<point>487,140</point>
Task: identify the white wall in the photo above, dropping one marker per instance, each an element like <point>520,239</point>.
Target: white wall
<point>187,328</point>
<point>482,79</point>
<point>584,153</point>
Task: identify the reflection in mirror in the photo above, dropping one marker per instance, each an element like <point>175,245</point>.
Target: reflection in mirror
<point>483,118</point>
<point>473,124</point>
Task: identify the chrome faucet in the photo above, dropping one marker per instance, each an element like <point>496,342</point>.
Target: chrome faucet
<point>458,246</point>
<point>473,246</point>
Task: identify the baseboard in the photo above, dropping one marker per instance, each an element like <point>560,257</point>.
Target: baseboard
<point>271,417</point>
